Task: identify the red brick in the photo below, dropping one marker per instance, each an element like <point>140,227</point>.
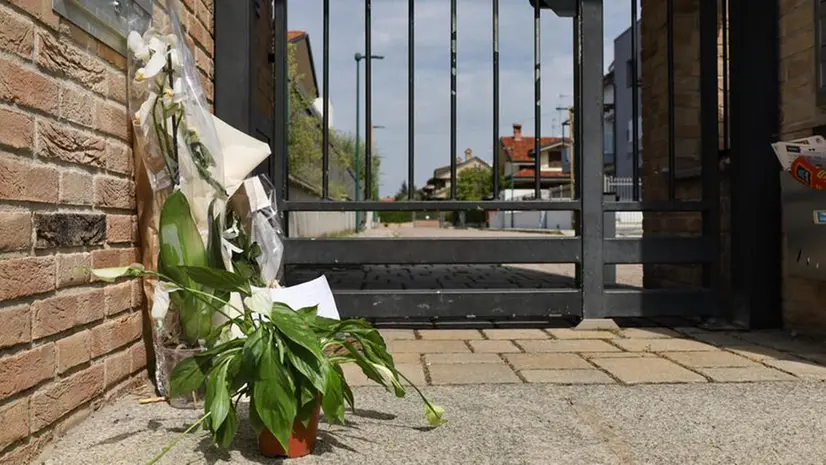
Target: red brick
<point>40,9</point>
<point>64,312</point>
<point>73,269</point>
<point>25,454</point>
<point>51,403</point>
<point>17,130</point>
<point>110,258</point>
<point>115,334</point>
<point>24,370</point>
<point>114,193</point>
<point>15,231</point>
<point>119,158</point>
<point>113,119</point>
<point>204,14</point>
<point>118,367</point>
<point>77,105</point>
<point>15,420</point>
<point>70,145</point>
<point>121,229</point>
<point>138,355</point>
<point>28,88</point>
<point>118,298</point>
<point>117,86</point>
<point>25,181</point>
<point>22,277</point>
<point>17,326</point>
<point>76,188</point>
<point>64,59</point>
<point>73,351</point>
<point>138,298</point>
<point>16,35</point>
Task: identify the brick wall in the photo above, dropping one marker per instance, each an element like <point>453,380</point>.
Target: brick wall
<point>67,201</point>
<point>803,308</point>
<point>687,135</point>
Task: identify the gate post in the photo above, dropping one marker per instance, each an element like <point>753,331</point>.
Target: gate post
<point>610,228</point>
<point>589,120</point>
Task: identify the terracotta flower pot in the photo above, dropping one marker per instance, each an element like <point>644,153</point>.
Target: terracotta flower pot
<point>302,439</point>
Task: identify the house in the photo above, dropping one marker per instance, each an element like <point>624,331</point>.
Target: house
<point>438,187</point>
<point>305,68</point>
<point>517,163</point>
<point>609,122</point>
<point>623,100</point>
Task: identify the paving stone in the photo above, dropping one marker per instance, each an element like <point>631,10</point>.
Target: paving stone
<point>581,345</point>
<point>397,334</point>
<point>590,355</point>
<point>568,333</point>
<point>355,377</point>
<point>820,359</point>
<point>717,359</point>
<point>760,353</point>
<point>404,358</point>
<point>462,358</point>
<point>567,377</point>
<point>449,334</point>
<point>720,339</point>
<point>472,373</point>
<point>547,362</point>
<point>662,345</point>
<point>785,342</point>
<point>494,347</point>
<point>502,334</point>
<point>649,333</point>
<point>647,370</point>
<point>801,369</point>
<point>601,324</point>
<point>428,347</point>
<point>745,374</point>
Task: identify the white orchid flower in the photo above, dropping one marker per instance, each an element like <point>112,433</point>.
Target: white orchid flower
<point>137,46</point>
<point>175,59</point>
<point>142,115</point>
<point>157,44</point>
<point>175,95</point>
<point>160,301</point>
<point>152,68</point>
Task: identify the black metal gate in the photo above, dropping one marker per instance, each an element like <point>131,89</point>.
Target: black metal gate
<point>589,250</point>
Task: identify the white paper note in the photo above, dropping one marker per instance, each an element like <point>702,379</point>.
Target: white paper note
<point>311,293</point>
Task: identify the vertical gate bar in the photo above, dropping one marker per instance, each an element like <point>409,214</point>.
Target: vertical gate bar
<point>495,31</point>
<point>368,101</point>
<point>635,110</point>
<point>410,98</point>
<point>537,102</point>
<point>453,38</point>
<point>710,140</point>
<point>281,106</point>
<point>325,114</point>
<point>724,21</point>
<point>574,159</point>
<point>672,148</point>
<point>590,118</point>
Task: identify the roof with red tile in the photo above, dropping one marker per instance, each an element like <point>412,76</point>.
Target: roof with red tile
<point>520,149</point>
<point>529,173</point>
<point>295,35</point>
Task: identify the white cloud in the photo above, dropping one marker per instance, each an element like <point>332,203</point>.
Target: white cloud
<point>432,75</point>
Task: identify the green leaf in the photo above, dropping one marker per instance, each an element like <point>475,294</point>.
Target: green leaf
<point>312,367</point>
<point>215,256</point>
<point>434,414</point>
<point>308,313</point>
<point>345,388</point>
<point>255,420</point>
<point>217,396</point>
<point>196,319</point>
<point>227,431</point>
<point>274,397</point>
<point>295,328</point>
<point>213,278</point>
<point>180,242</point>
<point>110,275</point>
<point>253,349</point>
<point>188,376</point>
<point>333,400</point>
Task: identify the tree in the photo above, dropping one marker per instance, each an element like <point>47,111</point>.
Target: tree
<point>474,183</point>
<point>402,192</point>
<point>345,143</point>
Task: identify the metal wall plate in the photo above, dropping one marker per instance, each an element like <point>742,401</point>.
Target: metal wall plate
<point>107,20</point>
<point>804,218</point>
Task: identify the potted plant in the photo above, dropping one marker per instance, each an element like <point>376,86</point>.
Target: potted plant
<point>287,363</point>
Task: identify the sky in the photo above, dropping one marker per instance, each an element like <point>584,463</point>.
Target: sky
<point>432,73</point>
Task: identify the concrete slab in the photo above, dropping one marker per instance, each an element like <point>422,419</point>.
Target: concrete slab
<point>494,347</point>
<point>760,353</point>
<point>647,370</point>
<point>396,334</point>
<point>547,362</point>
<point>662,345</point>
<point>717,359</point>
<point>584,345</point>
<point>649,333</point>
<point>407,358</point>
<point>568,333</point>
<point>801,369</point>
<point>504,334</point>
<point>747,374</point>
<point>591,376</point>
<point>785,342</point>
<point>719,339</point>
<point>450,334</point>
<point>428,347</point>
<point>462,358</point>
<point>597,324</point>
<point>355,377</point>
<point>590,355</point>
<point>472,373</point>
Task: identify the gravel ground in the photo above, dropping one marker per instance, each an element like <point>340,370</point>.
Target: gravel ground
<point>761,423</point>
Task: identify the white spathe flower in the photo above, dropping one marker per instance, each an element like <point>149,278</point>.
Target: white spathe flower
<point>142,115</point>
<point>390,380</point>
<point>260,301</point>
<point>160,301</point>
<point>137,46</point>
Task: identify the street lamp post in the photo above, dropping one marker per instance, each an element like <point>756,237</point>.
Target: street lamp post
<point>357,157</point>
